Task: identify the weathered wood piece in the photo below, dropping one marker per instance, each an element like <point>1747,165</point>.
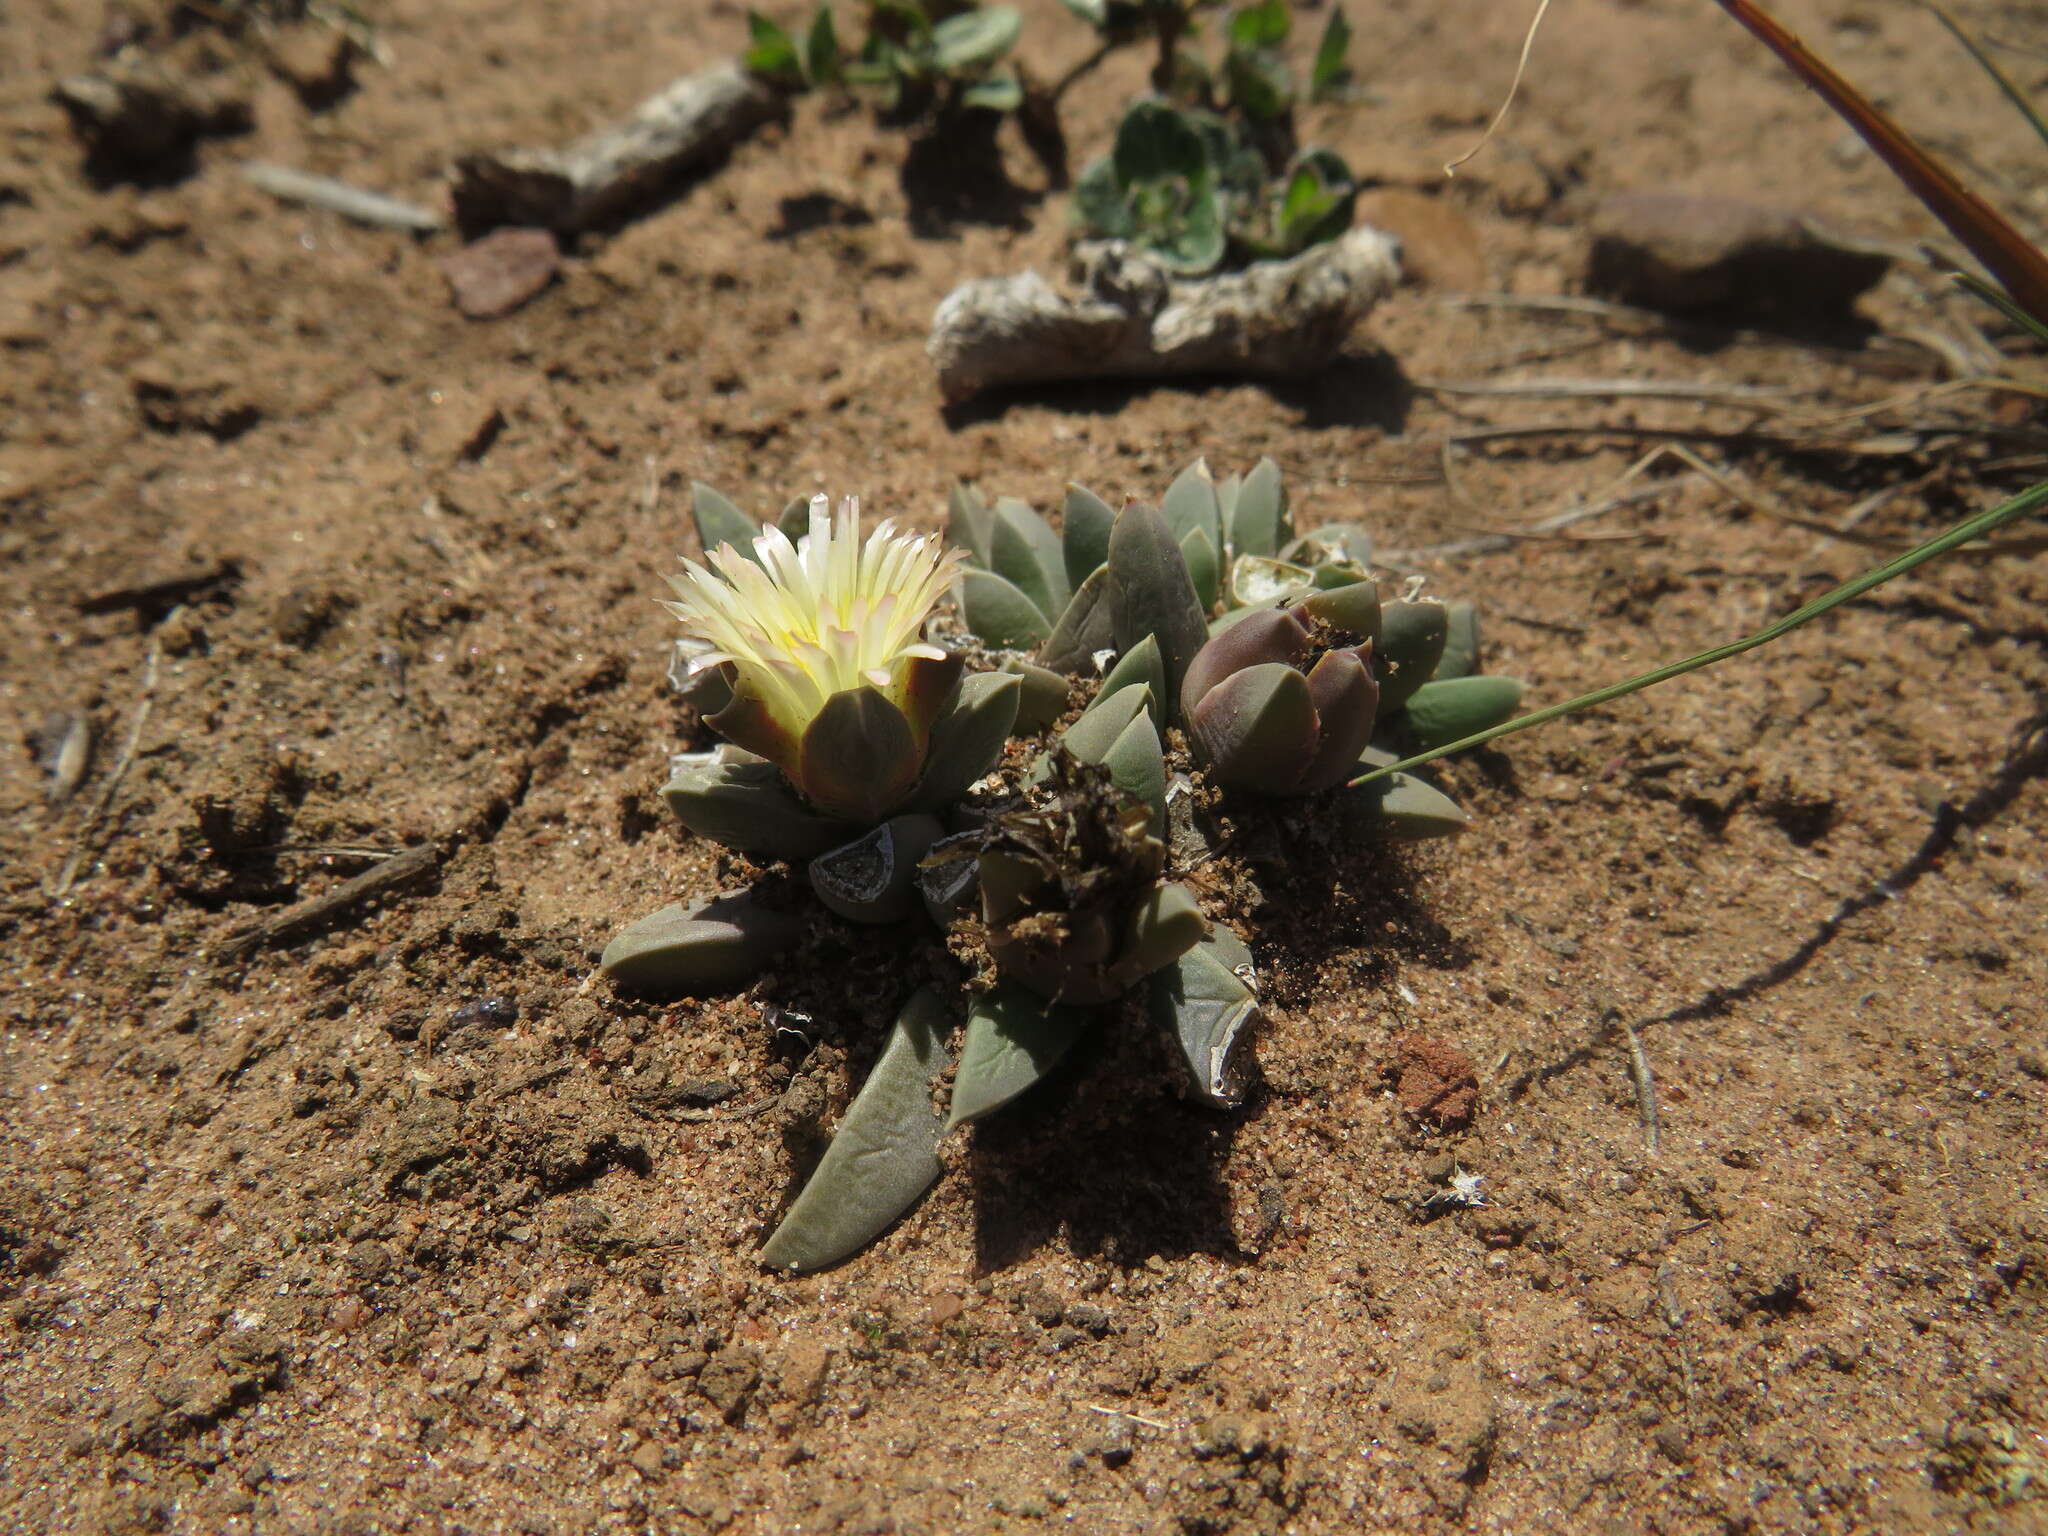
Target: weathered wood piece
<point>607,174</point>
<point>1129,318</point>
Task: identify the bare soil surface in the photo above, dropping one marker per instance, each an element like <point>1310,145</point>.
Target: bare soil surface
<point>405,1224</point>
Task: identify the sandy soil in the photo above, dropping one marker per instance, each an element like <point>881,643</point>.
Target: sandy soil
<point>404,1225</point>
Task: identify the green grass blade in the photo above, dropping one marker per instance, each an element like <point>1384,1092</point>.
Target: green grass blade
<point>2028,501</point>
<point>1984,62</point>
<point>2001,301</point>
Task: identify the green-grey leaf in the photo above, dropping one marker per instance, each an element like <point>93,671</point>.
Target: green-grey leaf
<point>885,1155</point>
<point>1085,521</point>
<point>1258,728</point>
<point>701,949</point>
<point>1339,541</point>
<point>1200,1001</point>
<point>1353,607</point>
<point>1408,809</point>
<point>998,93</point>
<point>1140,664</point>
<point>969,521</point>
<point>996,611</point>
<point>749,807</point>
<point>1461,642</point>
<point>1452,708</point>
<point>770,53</point>
<point>1191,503</point>
<point>1258,518</point>
<point>967,741</point>
<point>821,49</point>
<point>1327,76</point>
<point>1138,767</point>
<point>873,879</point>
<point>1090,737</point>
<point>1255,579</point>
<point>975,38</point>
<point>1151,593</point>
<point>1411,643</point>
<point>1200,555</point>
<point>1085,628</point>
<point>1041,696</point>
<point>1168,924</point>
<point>795,518</point>
<point>720,522</point>
<point>1014,1038</point>
<point>1098,207</point>
<point>1024,550</point>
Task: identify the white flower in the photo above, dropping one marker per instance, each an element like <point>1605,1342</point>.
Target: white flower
<point>820,616</point>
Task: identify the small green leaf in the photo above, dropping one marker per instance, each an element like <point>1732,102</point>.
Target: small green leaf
<point>1014,1038</point>
<point>1450,709</point>
<point>700,950</point>
<point>1083,629</point>
<point>1461,642</point>
<point>1041,695</point>
<point>749,807</point>
<point>1090,737</point>
<point>1137,765</point>
<point>998,613</point>
<point>1151,593</point>
<point>720,522</point>
<point>1142,665</point>
<point>1408,809</point>
<point>771,53</point>
<point>969,523</point>
<point>1200,556</point>
<point>821,49</point>
<point>1411,643</point>
<point>1201,1002</point>
<point>1025,551</point>
<point>1085,521</point>
<point>967,741</point>
<point>1264,25</point>
<point>1190,504</point>
<point>998,93</point>
<point>1099,208</point>
<point>1331,72</point>
<point>1258,516</point>
<point>975,39</point>
<point>1259,87</point>
<point>1167,925</point>
<point>885,1155</point>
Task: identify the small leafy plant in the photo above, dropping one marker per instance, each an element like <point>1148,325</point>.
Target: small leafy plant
<point>919,62</point>
<point>865,754</point>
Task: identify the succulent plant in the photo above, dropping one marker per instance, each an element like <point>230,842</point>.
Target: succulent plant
<point>853,743</point>
<point>1197,193</point>
<point>916,58</point>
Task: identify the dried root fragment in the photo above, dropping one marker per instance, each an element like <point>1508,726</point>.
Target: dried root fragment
<point>1131,319</point>
<point>607,174</point>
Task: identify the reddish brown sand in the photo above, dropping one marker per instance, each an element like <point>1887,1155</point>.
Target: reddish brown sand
<point>409,1226</point>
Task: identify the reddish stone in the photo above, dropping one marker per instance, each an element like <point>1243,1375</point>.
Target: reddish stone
<point>497,274</point>
<point>1434,1081</point>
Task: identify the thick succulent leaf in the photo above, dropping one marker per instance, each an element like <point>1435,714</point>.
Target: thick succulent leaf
<point>1025,551</point>
<point>1258,517</point>
<point>1347,703</point>
<point>948,879</point>
<point>720,522</point>
<point>860,760</point>
<point>1256,579</point>
<point>1090,737</point>
<point>1333,541</point>
<point>1260,636</point>
<point>1461,642</point>
<point>1167,924</point>
<point>1150,593</point>
<point>1450,709</point>
<point>1085,521</point>
<point>1191,503</point>
<point>967,741</point>
<point>1257,728</point>
<point>975,38</point>
<point>1083,629</point>
<point>1353,608</point>
<point>1201,1002</point>
<point>1407,808</point>
<point>698,950</point>
<point>873,879</point>
<point>1203,567</point>
<point>998,613</point>
<point>1157,143</point>
<point>969,523</point>
<point>1338,573</point>
<point>1227,490</point>
<point>1041,695</point>
<point>1014,1038</point>
<point>885,1155</point>
<point>1008,886</point>
<point>1411,643</point>
<point>1137,765</point>
<point>750,808</point>
<point>1142,663</point>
